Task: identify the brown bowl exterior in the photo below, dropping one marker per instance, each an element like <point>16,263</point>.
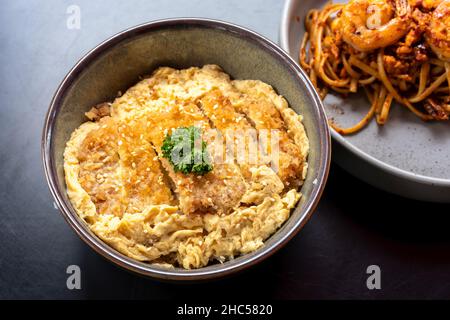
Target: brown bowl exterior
<point>117,64</point>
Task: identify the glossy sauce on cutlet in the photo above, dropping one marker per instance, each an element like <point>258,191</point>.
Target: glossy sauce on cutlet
<point>99,171</point>
<point>218,191</point>
<point>144,182</point>
<point>119,169</point>
<point>234,126</point>
<point>265,116</point>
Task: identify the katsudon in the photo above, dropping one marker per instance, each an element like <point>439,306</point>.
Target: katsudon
<point>187,167</point>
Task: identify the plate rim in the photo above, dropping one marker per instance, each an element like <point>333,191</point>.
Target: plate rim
<point>402,173</point>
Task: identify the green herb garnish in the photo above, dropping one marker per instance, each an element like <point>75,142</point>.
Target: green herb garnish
<point>186,151</point>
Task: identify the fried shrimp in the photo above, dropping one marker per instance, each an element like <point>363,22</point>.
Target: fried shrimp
<point>367,25</point>
<point>437,35</point>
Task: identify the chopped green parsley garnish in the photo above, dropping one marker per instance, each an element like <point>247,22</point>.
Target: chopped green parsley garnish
<point>186,151</point>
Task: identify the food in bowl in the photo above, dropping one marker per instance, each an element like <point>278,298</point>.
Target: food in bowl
<point>187,167</point>
<point>394,50</point>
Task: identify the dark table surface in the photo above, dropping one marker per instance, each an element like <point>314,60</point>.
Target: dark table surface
<point>354,226</point>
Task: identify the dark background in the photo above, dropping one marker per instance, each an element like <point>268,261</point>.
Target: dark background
<point>353,227</point>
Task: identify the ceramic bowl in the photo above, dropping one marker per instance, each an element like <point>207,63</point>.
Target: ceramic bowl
<point>117,64</point>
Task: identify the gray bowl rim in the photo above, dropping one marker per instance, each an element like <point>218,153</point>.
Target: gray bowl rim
<point>146,269</point>
<point>390,169</point>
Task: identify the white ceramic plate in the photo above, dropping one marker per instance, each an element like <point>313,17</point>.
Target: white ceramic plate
<point>407,156</point>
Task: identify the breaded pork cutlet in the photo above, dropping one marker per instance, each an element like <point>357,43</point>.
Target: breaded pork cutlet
<point>159,112</point>
<point>247,104</point>
<point>118,171</point>
<point>240,136</point>
<point>218,191</point>
<point>142,174</point>
<point>174,99</point>
<point>265,116</point>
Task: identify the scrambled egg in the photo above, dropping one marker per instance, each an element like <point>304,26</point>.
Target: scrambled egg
<point>131,197</point>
